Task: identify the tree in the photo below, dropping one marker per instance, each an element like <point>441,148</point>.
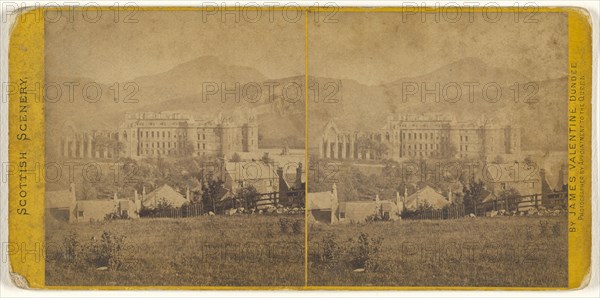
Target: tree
<point>235,158</point>
<point>211,193</point>
<point>509,198</point>
<point>247,196</point>
<point>266,159</point>
<point>473,194</point>
<point>498,159</point>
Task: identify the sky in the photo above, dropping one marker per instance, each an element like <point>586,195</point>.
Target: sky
<point>371,48</point>
<point>110,51</point>
<point>375,48</point>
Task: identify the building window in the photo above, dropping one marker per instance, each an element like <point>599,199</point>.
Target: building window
<point>80,213</point>
<point>342,215</point>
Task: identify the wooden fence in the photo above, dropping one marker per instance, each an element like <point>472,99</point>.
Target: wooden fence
<point>291,199</point>
<point>449,212</point>
<point>557,200</point>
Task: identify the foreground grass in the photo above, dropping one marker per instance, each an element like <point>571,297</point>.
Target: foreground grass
<point>201,251</point>
<point>492,252</point>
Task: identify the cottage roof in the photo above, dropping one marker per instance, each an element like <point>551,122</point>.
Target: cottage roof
<point>320,200</point>
<point>358,210</point>
<point>164,193</point>
<point>59,199</point>
<point>426,195</point>
<point>388,206</point>
<point>96,205</point>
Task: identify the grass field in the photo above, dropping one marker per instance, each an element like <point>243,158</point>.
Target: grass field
<point>209,250</point>
<point>494,252</point>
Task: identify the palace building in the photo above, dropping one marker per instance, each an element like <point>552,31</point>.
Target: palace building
<point>421,136</point>
<point>165,134</point>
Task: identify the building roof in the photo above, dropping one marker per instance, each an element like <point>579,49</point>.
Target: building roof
<point>358,207</point>
<point>96,205</point>
<point>426,195</point>
<point>164,193</point>
<point>320,200</point>
<point>59,199</point>
<point>388,206</point>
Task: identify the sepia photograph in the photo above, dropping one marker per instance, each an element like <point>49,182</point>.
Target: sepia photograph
<point>438,157</point>
<point>175,145</point>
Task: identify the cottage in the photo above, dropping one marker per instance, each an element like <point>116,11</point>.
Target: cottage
<point>61,204</point>
<point>164,194</point>
<point>95,210</point>
<point>426,196</point>
<point>324,207</point>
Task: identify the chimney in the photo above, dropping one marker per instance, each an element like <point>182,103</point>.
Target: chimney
<point>399,203</point>
<point>334,204</point>
<point>404,198</point>
<point>187,194</point>
<point>298,183</point>
<point>115,196</point>
<point>73,196</point>
<point>136,201</point>
<point>283,189</point>
<point>334,191</point>
<point>450,195</point>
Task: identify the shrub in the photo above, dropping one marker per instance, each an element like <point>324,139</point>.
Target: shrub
<point>297,226</point>
<point>73,248</point>
<point>544,228</point>
<point>366,252</point>
<point>109,252</point>
<point>329,251</point>
<point>528,233</point>
<point>269,231</point>
<point>284,225</point>
<point>235,158</point>
<point>116,215</point>
<point>556,229</point>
